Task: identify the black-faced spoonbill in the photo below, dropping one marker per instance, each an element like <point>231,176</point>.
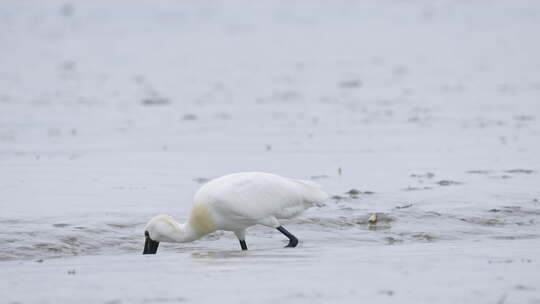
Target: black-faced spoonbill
<point>235,202</point>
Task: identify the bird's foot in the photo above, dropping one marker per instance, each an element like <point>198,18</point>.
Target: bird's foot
<point>292,243</point>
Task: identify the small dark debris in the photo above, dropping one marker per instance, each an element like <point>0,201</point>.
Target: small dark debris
<point>68,65</point>
<point>61,225</point>
<point>482,221</point>
<point>353,192</point>
<point>445,182</point>
<point>392,240</point>
<point>427,175</point>
<point>521,171</point>
<point>411,188</point>
<point>369,192</point>
<point>387,292</point>
<point>512,208</point>
<point>189,117</point>
<point>524,117</point>
<point>71,271</point>
<point>404,206</point>
<point>39,261</point>
<point>502,299</point>
<point>523,287</point>
<point>350,84</point>
<point>268,147</point>
<point>494,210</point>
<point>477,172</point>
<point>201,180</point>
<point>139,79</point>
<point>155,101</point>
<point>425,236</point>
<point>67,9</point>
<point>400,70</point>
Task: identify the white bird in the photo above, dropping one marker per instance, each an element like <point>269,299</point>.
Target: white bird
<point>235,202</point>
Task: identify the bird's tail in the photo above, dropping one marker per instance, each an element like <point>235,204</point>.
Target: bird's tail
<point>312,192</point>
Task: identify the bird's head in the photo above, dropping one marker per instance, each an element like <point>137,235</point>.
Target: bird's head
<point>161,228</point>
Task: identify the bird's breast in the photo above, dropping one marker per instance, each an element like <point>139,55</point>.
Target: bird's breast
<point>201,219</point>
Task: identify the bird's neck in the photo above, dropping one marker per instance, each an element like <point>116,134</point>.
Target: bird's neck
<point>184,233</point>
<point>200,223</point>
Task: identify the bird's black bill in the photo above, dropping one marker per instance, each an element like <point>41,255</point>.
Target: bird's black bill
<point>150,246</point>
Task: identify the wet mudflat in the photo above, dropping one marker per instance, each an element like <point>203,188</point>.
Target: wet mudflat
<point>419,272</point>
<point>421,121</point>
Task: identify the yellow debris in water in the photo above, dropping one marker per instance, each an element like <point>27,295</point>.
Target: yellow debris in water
<point>373,218</point>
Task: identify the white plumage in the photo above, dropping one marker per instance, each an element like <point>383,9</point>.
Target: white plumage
<point>235,202</point>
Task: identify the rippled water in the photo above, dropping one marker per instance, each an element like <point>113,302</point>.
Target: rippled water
<point>345,217</point>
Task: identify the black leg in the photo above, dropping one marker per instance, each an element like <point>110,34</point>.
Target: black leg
<point>293,241</point>
<point>243,245</point>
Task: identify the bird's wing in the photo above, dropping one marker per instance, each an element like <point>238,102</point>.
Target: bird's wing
<point>259,195</point>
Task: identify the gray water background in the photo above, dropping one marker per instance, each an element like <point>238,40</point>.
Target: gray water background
<point>113,112</point>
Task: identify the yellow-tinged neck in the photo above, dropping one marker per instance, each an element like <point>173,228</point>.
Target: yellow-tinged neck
<point>201,221</point>
<point>163,228</point>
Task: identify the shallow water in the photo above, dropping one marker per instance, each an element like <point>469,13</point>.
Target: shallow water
<point>424,115</point>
